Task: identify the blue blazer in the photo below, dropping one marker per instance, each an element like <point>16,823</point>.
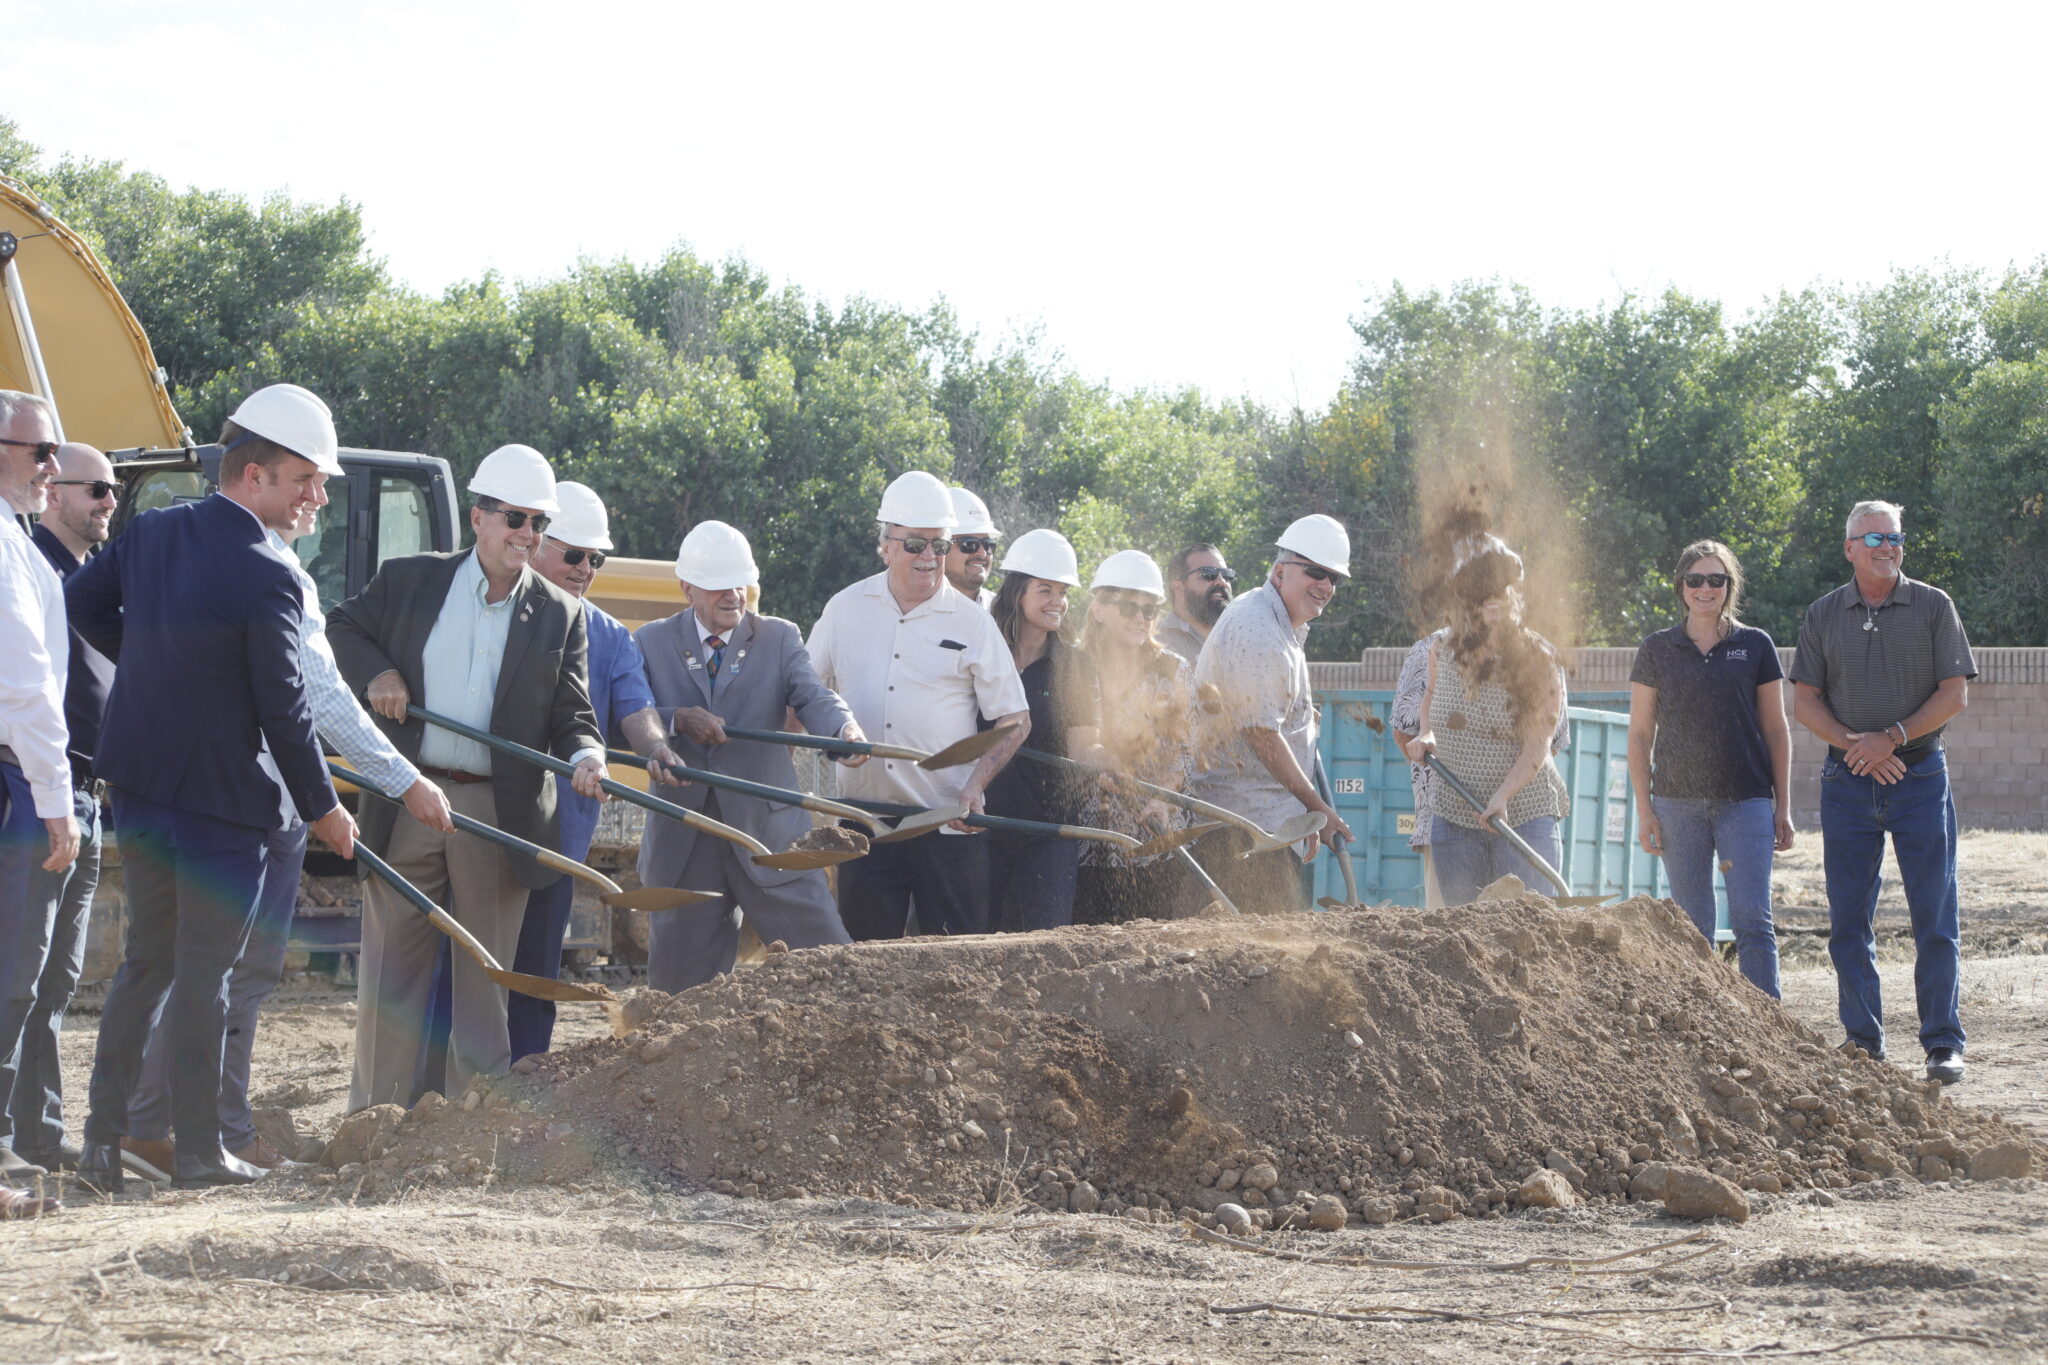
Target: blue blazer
<point>202,618</point>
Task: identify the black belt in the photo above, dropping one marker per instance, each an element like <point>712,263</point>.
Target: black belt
<point>450,775</point>
<point>1911,754</point>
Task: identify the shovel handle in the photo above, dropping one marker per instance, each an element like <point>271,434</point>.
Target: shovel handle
<point>1008,824</point>
<point>1498,825</point>
<point>826,743</point>
<point>1166,794</point>
<point>546,857</point>
<point>742,787</point>
<point>618,789</point>
<point>443,921</point>
<point>1344,866</point>
<point>1202,875</point>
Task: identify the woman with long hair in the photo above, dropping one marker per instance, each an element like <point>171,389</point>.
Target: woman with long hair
<point>1494,692</point>
<point>1148,726</point>
<point>1032,877</point>
<point>1710,756</point>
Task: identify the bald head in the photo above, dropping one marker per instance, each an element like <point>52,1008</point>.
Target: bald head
<point>75,515</point>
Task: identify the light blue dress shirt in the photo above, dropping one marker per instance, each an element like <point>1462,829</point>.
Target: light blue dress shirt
<point>459,667</point>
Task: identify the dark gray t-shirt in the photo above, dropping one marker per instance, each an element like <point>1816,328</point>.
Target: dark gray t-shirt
<point>1877,665</point>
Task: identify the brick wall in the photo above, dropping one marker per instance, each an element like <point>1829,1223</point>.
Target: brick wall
<point>1997,749</point>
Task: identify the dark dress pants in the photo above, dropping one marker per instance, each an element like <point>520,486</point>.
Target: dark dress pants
<point>947,873</point>
<point>529,1020</point>
<point>1263,884</point>
<point>42,947</point>
<point>193,885</point>
<point>1031,878</point>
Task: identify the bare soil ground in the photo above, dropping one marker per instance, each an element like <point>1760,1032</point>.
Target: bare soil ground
<point>621,1264</point>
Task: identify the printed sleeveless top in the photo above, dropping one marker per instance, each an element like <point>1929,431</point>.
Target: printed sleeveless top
<point>1476,740</point>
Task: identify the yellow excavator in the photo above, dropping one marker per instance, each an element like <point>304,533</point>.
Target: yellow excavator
<point>71,337</point>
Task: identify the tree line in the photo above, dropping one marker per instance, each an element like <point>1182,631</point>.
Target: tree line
<point>1600,439</point>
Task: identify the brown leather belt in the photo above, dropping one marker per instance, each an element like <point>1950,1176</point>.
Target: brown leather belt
<point>450,775</point>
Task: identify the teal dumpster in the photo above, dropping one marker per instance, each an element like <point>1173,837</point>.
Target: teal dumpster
<point>1370,788</point>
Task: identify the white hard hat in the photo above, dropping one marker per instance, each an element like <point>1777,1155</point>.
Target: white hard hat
<point>582,521</point>
<point>715,557</point>
<point>1320,540</point>
<point>519,475</point>
<point>294,418</point>
<point>1043,554</point>
<point>1131,570</point>
<point>970,515</point>
<point>918,499</point>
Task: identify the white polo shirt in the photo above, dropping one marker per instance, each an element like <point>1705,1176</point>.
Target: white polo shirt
<point>920,678</point>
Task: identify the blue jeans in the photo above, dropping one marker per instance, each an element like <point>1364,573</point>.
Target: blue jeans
<point>1470,860</point>
<point>1032,878</point>
<point>35,1110</point>
<point>1745,834</point>
<point>1919,813</point>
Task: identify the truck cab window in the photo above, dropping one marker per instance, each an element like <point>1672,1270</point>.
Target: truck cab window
<point>404,525</point>
<point>324,554</point>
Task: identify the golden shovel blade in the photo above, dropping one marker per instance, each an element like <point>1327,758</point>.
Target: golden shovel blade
<point>968,749</point>
<point>924,822</point>
<point>651,898</point>
<point>542,988</point>
<point>1173,839</point>
<point>806,859</point>
<point>1289,832</point>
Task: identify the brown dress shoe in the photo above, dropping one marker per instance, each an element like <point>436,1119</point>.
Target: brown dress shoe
<point>257,1152</point>
<point>151,1158</point>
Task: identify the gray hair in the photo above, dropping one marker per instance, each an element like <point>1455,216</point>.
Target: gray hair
<point>1872,509</point>
<point>13,402</point>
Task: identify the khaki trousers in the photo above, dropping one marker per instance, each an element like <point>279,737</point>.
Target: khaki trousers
<point>474,882</point>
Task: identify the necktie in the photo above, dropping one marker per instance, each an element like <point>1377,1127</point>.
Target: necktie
<point>717,655</point>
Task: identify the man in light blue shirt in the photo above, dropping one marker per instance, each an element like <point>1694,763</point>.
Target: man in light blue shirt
<point>342,722</point>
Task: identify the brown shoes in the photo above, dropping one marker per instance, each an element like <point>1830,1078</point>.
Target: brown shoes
<point>257,1152</point>
<point>153,1159</point>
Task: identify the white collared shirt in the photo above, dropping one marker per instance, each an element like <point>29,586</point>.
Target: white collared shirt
<point>459,667</point>
<point>1254,659</point>
<point>920,678</point>
<point>35,661</point>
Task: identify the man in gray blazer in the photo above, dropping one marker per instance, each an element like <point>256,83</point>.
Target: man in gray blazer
<point>716,663</point>
<point>480,637</point>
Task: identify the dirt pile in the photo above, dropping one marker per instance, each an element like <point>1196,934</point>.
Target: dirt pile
<point>1397,1062</point>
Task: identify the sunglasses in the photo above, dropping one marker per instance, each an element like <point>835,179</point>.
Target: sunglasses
<point>1873,539</point>
<point>1209,573</point>
<point>46,451</point>
<point>1138,611</point>
<point>974,545</point>
<point>100,488</point>
<point>574,557</point>
<point>517,520</point>
<point>917,545</point>
<point>1707,580</point>
<point>1316,571</point>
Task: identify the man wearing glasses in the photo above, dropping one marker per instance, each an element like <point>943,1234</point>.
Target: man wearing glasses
<point>918,664</point>
<point>1883,666</point>
<point>1260,758</point>
<point>477,637</point>
<point>83,496</point>
<point>1200,583</point>
<point>975,538</point>
<point>38,824</point>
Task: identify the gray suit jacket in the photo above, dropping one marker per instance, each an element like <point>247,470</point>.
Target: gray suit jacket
<point>767,672</point>
<point>543,698</point>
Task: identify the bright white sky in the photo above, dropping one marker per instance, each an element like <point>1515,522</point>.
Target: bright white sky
<point>1175,193</point>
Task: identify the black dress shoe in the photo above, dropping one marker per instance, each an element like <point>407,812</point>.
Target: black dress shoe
<point>217,1167</point>
<point>99,1167</point>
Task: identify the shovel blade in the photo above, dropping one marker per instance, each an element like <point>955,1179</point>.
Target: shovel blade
<point>806,860</point>
<point>650,898</point>
<point>541,988</point>
<point>924,822</point>
<point>1289,832</point>
<point>1173,839</point>
<point>968,749</point>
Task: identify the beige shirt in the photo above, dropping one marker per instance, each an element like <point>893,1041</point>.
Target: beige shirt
<point>921,678</point>
<point>1254,659</point>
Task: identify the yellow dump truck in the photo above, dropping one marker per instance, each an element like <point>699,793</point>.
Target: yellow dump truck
<point>70,336</point>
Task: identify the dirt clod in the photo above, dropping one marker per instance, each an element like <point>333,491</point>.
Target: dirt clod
<point>2002,1161</point>
<point>1546,1189</point>
<point>1693,1193</point>
<point>831,839</point>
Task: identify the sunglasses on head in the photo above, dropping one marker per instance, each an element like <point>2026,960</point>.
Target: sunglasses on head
<point>516,520</point>
<point>46,451</point>
<point>974,545</point>
<point>574,557</point>
<point>1315,571</point>
<point>99,488</point>
<point>917,545</point>
<point>1209,573</point>
<point>1138,611</point>
<point>1706,580</point>
<point>1873,539</point>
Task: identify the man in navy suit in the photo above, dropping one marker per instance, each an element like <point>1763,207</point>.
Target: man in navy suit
<point>202,617</point>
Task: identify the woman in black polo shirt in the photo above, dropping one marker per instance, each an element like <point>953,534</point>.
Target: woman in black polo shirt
<point>1709,754</point>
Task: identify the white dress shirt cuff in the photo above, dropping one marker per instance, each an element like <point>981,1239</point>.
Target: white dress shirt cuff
<point>582,754</point>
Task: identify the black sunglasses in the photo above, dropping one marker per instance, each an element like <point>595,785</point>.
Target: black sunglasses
<point>514,520</point>
<point>1209,573</point>
<point>1707,580</point>
<point>1138,611</point>
<point>46,451</point>
<point>1315,571</point>
<point>974,545</point>
<point>100,487</point>
<point>917,545</point>
<point>575,557</point>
